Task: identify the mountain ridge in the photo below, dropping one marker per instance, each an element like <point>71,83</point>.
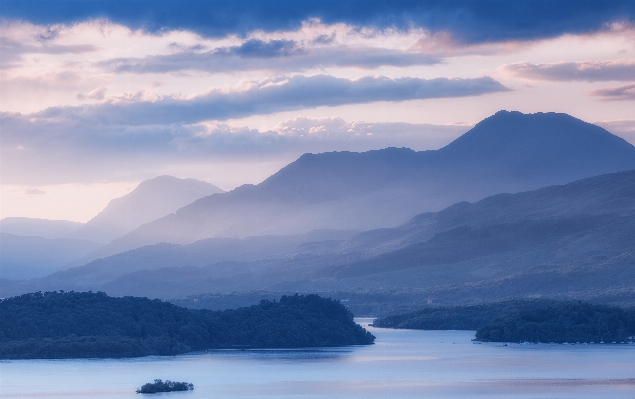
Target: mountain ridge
<point>563,241</point>
<point>384,188</point>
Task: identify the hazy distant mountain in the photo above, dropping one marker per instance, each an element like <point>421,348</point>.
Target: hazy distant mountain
<point>507,152</point>
<point>24,257</point>
<point>200,253</point>
<point>39,227</point>
<point>567,241</point>
<point>593,216</point>
<point>152,199</point>
<point>564,241</point>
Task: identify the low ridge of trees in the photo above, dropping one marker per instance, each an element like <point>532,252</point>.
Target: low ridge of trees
<point>469,317</point>
<point>87,324</point>
<point>520,321</point>
<point>579,322</point>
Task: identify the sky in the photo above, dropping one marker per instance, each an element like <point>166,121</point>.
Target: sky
<point>97,96</point>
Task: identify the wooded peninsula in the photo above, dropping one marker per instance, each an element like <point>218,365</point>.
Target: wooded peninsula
<point>526,321</point>
<point>55,325</point>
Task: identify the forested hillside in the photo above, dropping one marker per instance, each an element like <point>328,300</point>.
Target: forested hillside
<point>81,325</point>
<point>579,322</point>
<point>520,321</point>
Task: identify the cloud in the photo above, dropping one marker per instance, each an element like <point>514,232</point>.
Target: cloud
<point>96,94</point>
<point>13,50</point>
<point>34,191</point>
<point>619,93</point>
<point>324,39</point>
<point>590,71</point>
<point>270,96</point>
<point>32,91</point>
<point>467,20</point>
<point>278,55</point>
<point>53,151</point>
<point>444,44</point>
<point>265,49</point>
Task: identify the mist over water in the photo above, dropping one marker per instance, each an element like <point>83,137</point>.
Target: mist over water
<point>402,364</point>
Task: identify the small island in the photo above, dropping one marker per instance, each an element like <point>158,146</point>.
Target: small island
<point>58,325</point>
<point>525,321</point>
<point>165,386</point>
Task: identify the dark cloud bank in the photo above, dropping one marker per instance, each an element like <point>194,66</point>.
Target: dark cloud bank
<point>469,21</point>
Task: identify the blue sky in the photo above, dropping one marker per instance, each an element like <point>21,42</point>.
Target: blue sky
<point>98,95</point>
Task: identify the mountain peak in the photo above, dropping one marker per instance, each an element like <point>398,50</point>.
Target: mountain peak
<point>152,199</point>
<point>532,144</point>
<point>541,128</point>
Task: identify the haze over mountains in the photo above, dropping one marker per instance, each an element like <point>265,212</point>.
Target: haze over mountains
<point>24,257</point>
<point>44,228</point>
<point>507,152</point>
<point>563,241</point>
<point>36,247</point>
<point>299,230</point>
<point>151,200</point>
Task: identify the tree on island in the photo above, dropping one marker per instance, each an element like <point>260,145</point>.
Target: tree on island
<point>165,386</point>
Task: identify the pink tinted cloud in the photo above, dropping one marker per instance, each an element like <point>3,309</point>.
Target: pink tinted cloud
<point>589,71</point>
<point>619,93</point>
<point>14,50</point>
<point>443,44</point>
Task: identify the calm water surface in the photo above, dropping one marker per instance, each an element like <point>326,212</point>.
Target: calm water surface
<point>402,364</point>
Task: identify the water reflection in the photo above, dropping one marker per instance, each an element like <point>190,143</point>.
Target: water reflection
<point>296,355</point>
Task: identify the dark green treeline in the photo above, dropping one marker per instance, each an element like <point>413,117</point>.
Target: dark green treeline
<point>86,324</point>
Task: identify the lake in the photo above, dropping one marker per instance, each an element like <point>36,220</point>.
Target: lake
<point>402,364</point>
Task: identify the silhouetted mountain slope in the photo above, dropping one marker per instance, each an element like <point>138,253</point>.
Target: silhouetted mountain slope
<point>465,243</point>
<point>574,239</point>
<point>199,253</point>
<point>33,227</point>
<point>24,257</point>
<point>568,241</point>
<point>549,148</point>
<point>507,152</point>
<point>152,199</point>
<point>611,194</point>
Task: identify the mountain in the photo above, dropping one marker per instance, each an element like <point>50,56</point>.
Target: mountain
<point>152,199</point>
<point>21,226</point>
<point>571,241</point>
<point>507,152</point>
<point>25,257</point>
<point>199,253</point>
